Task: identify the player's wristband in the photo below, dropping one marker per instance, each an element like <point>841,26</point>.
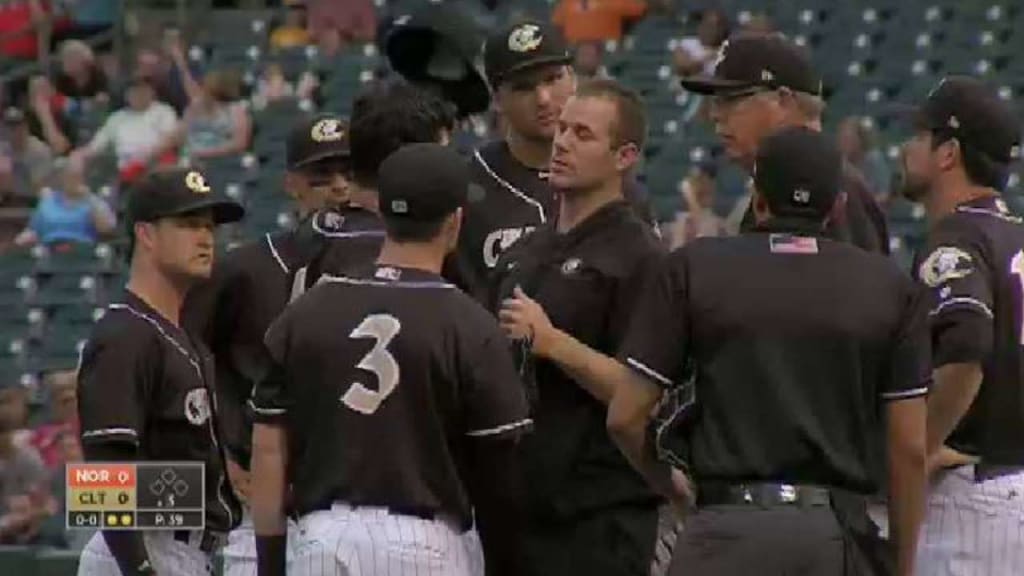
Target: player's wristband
<point>271,555</point>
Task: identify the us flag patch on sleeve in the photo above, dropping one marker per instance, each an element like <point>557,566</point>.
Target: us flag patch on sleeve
<point>789,244</point>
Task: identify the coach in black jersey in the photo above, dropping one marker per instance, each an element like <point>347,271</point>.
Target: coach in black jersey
<point>763,83</point>
<point>393,401</point>
<point>791,352</point>
<point>145,386</point>
<point>582,272</point>
<point>973,264</point>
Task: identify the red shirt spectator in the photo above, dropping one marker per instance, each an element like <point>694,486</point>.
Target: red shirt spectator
<point>17,16</point>
<point>596,20</point>
<point>336,23</point>
<point>50,439</point>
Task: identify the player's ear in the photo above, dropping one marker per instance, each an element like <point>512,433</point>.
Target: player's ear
<point>293,184</point>
<point>626,156</point>
<point>949,154</point>
<point>762,212</point>
<point>145,234</point>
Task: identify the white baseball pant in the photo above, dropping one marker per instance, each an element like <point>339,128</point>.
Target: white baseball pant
<point>240,551</point>
<point>168,556</point>
<point>366,541</point>
<point>973,528</point>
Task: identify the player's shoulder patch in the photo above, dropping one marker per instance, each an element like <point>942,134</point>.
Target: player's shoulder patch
<point>945,263</point>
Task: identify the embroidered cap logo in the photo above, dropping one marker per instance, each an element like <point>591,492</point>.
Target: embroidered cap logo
<point>327,130</point>
<point>196,182</point>
<point>525,38</point>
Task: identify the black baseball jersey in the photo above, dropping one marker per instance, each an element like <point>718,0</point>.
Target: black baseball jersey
<point>793,344</point>
<point>860,221</point>
<point>382,377</point>
<point>974,268</point>
<point>513,201</point>
<point>587,281</point>
<point>143,381</point>
<point>250,287</point>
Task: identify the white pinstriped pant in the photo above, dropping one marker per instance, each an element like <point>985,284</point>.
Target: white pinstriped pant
<point>168,557</point>
<point>240,551</point>
<point>346,541</point>
<point>973,529</point>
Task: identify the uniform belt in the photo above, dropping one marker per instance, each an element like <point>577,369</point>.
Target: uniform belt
<point>761,494</point>
<point>983,472</point>
<point>206,541</point>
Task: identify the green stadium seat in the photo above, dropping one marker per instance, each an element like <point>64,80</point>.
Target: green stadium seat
<point>53,562</point>
<point>17,560</point>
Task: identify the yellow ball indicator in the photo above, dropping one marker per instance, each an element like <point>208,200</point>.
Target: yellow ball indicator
<point>126,519</point>
<point>112,520</point>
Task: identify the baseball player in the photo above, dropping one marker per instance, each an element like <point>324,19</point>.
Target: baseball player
<point>973,266</point>
<point>528,68</point>
<point>385,116</point>
<point>582,271</point>
<point>252,284</point>
<point>762,83</point>
<point>145,385</point>
<point>799,348</point>
<point>393,403</point>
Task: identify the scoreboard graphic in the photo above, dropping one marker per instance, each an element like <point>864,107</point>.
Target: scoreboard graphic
<point>136,495</point>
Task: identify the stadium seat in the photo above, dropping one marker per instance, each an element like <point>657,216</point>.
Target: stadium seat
<point>53,562</point>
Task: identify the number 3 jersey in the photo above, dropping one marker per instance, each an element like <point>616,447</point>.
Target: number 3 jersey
<point>382,379</point>
<point>973,265</point>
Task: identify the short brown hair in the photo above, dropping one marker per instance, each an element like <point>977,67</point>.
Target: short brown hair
<point>630,125</point>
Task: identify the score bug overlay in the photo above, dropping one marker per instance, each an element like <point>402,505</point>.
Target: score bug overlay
<point>135,495</point>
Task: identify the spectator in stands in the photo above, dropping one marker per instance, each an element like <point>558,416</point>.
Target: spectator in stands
<point>69,213</point>
<point>592,21</point>
<point>587,60</point>
<point>80,77</point>
<point>698,219</point>
<point>29,161</point>
<point>697,54</point>
<point>18,19</point>
<point>335,24</point>
<point>158,66</point>
<point>47,119</point>
<point>273,86</point>
<point>24,482</point>
<point>293,32</point>
<point>51,440</point>
<point>856,140</point>
<point>142,134</point>
<point>90,17</point>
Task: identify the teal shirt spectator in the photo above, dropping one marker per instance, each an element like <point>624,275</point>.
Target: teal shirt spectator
<point>61,218</point>
<point>94,12</point>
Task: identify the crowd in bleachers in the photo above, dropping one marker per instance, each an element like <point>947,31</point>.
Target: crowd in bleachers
<point>223,97</point>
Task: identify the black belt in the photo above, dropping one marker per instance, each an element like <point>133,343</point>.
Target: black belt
<point>208,542</point>
<point>983,472</point>
<point>761,494</point>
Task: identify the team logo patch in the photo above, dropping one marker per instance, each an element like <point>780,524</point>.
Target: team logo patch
<point>788,244</point>
<point>388,273</point>
<point>332,221</point>
<point>196,182</point>
<point>571,266</point>
<point>327,130</point>
<point>525,38</point>
<point>944,264</point>
<point>801,196</point>
<point>197,406</point>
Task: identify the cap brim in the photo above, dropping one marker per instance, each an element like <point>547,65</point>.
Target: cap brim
<point>224,211</point>
<point>709,85</point>
<point>341,153</point>
<point>528,65</point>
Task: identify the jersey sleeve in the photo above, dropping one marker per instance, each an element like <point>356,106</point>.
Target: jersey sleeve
<point>655,345</point>
<point>494,401</point>
<point>960,296</point>
<point>270,396</point>
<point>910,367</point>
<point>115,379</point>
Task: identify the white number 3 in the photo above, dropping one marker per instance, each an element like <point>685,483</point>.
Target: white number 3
<point>382,328</point>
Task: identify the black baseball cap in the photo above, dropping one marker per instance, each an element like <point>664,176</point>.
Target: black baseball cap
<point>751,61</point>
<point>966,109</point>
<point>423,181</point>
<point>318,138</point>
<point>798,172</point>
<point>522,46</point>
<point>177,192</point>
